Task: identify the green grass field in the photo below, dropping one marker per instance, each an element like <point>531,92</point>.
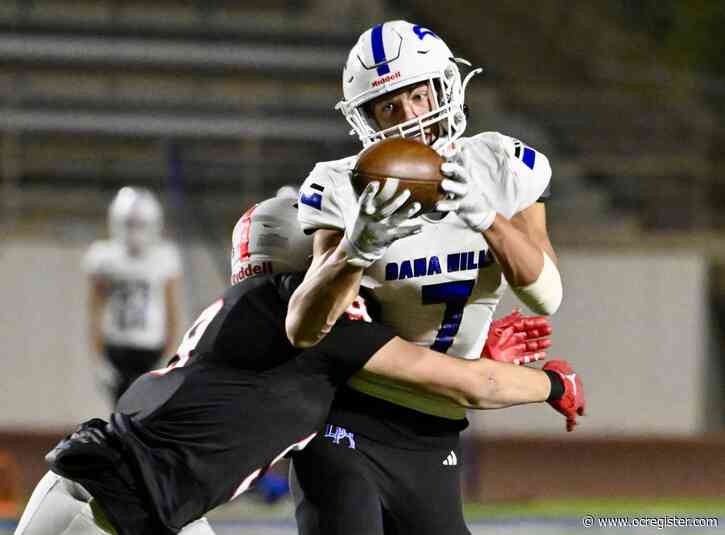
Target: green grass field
<point>531,509</point>
<point>545,517</point>
<point>576,508</point>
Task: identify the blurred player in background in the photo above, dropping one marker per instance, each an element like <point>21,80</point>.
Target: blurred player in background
<point>238,396</point>
<point>437,278</point>
<point>134,278</point>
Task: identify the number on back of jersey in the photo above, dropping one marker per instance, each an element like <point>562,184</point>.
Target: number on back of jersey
<point>192,337</point>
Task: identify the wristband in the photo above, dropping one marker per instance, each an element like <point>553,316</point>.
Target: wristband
<point>557,386</point>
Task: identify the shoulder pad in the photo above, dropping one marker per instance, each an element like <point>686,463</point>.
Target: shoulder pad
<point>326,195</point>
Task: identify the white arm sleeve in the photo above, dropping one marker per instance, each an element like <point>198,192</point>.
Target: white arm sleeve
<point>544,295</point>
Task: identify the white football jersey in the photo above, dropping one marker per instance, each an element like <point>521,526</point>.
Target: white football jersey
<point>438,288</point>
<point>135,314</point>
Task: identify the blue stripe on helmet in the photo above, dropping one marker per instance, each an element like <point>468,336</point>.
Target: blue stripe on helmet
<point>379,50</point>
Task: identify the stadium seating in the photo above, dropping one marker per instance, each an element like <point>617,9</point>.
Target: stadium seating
<point>131,80</point>
<point>137,82</point>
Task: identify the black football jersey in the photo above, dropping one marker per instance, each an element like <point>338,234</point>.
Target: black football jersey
<point>234,400</point>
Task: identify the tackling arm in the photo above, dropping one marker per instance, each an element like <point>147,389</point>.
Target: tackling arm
<point>477,384</point>
<point>482,383</point>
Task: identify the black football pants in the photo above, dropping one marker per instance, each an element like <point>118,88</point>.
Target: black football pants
<point>374,489</point>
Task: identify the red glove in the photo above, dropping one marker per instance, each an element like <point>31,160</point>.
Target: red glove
<point>517,339</point>
<point>572,402</point>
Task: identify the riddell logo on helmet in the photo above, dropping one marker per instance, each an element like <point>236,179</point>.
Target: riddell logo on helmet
<point>387,78</point>
<point>250,270</point>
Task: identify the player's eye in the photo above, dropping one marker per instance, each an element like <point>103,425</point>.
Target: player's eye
<point>388,107</point>
<point>421,94</point>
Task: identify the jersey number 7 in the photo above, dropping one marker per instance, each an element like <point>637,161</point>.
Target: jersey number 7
<point>454,295</point>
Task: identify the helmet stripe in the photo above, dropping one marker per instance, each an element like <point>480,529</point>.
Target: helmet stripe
<point>244,233</point>
<point>379,50</point>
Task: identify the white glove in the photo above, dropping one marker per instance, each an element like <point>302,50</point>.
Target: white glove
<point>465,198</point>
<point>377,224</point>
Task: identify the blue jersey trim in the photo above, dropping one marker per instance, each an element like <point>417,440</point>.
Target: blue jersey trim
<point>314,200</point>
<point>529,157</point>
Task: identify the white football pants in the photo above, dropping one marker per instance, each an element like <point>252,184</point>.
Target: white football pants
<point>59,506</point>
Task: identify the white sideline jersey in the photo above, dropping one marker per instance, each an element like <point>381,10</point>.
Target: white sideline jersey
<point>135,314</point>
<point>438,288</point>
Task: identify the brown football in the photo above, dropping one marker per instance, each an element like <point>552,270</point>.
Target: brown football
<point>400,164</point>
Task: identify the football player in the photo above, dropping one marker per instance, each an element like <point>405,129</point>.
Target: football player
<point>238,396</point>
<point>133,289</point>
<point>437,277</point>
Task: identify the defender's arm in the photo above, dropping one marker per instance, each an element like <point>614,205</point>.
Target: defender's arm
<point>476,384</point>
<point>483,383</point>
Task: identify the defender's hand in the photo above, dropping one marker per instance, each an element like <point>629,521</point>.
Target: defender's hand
<point>465,197</point>
<point>518,339</point>
<point>377,224</point>
<point>572,402</point>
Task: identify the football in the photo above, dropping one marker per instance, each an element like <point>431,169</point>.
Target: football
<point>400,164</point>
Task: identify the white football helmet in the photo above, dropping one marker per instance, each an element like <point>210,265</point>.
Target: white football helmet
<point>396,54</point>
<point>269,239</point>
<point>135,218</point>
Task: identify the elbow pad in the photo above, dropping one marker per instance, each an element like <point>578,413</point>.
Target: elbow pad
<point>544,295</point>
